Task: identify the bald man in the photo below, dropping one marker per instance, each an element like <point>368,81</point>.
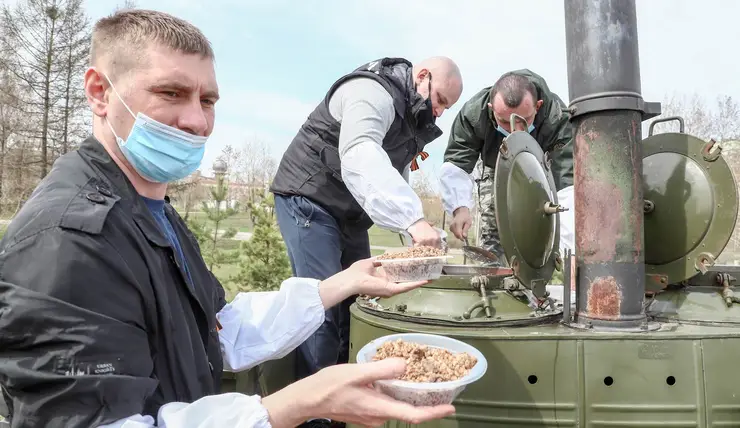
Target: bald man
<point>348,168</point>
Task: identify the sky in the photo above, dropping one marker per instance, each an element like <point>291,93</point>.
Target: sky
<point>275,59</point>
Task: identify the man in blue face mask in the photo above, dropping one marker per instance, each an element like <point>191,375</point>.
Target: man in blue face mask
<point>477,133</point>
<point>109,315</point>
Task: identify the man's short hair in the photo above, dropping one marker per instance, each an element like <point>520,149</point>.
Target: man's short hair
<point>121,38</point>
<point>512,88</point>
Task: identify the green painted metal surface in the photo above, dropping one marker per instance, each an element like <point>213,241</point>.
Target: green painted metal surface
<point>701,305</point>
<point>458,306</point>
<point>265,379</point>
<point>555,376</point>
<point>691,206</point>
<point>544,374</point>
<point>462,282</point>
<point>523,186</point>
<point>662,170</point>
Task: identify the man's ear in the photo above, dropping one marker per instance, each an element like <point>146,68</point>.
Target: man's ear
<point>422,74</point>
<point>490,112</point>
<point>95,91</point>
<point>539,104</point>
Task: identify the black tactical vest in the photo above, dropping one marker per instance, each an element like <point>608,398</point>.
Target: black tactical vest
<point>311,166</point>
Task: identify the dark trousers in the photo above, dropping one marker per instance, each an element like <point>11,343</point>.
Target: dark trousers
<point>318,248</point>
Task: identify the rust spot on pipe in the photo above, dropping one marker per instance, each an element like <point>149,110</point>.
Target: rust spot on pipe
<point>604,298</point>
<point>598,202</point>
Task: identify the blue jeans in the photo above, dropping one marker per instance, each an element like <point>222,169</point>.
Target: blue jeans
<point>318,248</point>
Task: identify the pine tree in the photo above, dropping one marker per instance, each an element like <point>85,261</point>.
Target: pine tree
<point>207,236</point>
<point>264,264</point>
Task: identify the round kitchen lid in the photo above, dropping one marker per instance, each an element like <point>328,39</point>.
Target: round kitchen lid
<point>691,206</point>
<point>526,209</point>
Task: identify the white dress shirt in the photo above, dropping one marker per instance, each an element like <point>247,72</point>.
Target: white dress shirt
<point>365,110</point>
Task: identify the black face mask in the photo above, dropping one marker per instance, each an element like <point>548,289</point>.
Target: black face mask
<point>422,110</point>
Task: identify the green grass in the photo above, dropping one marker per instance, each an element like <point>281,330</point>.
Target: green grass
<point>228,244</point>
<point>383,238</point>
<point>240,221</point>
<point>223,272</point>
<point>376,252</point>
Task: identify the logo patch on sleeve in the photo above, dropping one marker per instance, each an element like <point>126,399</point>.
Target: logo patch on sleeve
<point>75,366</point>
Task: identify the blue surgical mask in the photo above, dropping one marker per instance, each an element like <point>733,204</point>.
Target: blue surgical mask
<point>506,133</point>
<point>159,152</point>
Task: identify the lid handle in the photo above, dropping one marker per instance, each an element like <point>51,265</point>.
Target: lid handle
<point>512,121</point>
<point>681,126</point>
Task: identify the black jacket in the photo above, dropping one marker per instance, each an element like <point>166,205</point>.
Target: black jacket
<point>97,320</point>
<point>311,166</point>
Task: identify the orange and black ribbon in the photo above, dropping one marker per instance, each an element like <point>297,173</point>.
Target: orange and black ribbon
<point>415,164</point>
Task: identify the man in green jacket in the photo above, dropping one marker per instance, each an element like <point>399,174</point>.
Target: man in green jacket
<point>477,133</point>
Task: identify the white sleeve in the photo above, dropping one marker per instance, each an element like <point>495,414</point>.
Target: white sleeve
<point>214,411</point>
<point>566,198</point>
<point>262,326</point>
<point>457,188</point>
<point>366,112</point>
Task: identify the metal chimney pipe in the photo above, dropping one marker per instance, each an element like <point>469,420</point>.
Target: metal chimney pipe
<point>607,112</point>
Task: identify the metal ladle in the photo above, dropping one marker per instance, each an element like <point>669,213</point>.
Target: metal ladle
<point>478,254</point>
